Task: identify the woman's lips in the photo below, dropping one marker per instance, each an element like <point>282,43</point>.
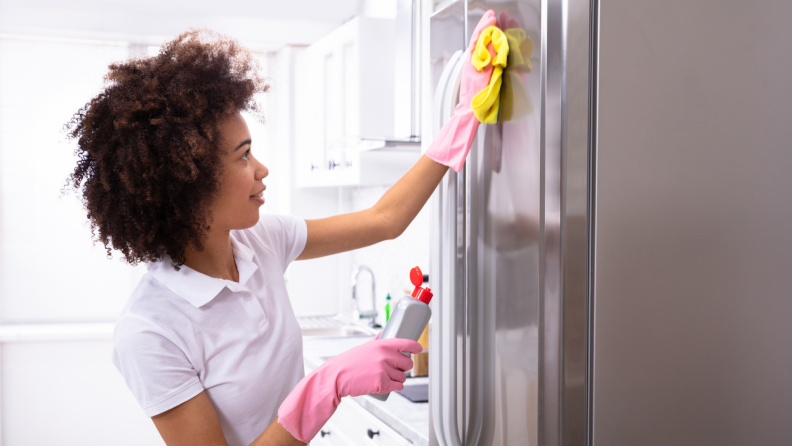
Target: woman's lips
<point>259,197</point>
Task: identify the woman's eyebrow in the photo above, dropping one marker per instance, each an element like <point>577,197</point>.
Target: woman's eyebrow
<point>247,141</point>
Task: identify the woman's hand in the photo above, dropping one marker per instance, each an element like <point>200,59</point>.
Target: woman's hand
<point>377,366</point>
<point>452,144</point>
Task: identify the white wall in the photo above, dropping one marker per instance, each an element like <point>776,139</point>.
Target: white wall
<point>49,269</point>
<point>61,389</point>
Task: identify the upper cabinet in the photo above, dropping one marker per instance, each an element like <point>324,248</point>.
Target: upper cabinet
<point>354,97</point>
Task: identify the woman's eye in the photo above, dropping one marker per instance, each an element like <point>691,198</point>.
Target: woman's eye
<point>246,155</point>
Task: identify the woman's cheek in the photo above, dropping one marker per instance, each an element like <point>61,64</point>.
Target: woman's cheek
<point>243,184</point>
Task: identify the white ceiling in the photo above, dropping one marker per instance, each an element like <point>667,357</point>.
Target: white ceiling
<point>263,25</point>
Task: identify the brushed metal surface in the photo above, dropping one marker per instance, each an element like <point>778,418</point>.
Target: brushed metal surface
<point>576,159</point>
<point>551,299</point>
<point>693,217</point>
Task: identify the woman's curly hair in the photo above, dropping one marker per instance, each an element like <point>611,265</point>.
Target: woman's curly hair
<point>149,145</point>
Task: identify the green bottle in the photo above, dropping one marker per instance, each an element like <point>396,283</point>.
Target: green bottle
<point>387,308</point>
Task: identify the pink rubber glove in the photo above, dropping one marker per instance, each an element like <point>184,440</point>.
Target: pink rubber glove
<point>452,144</point>
<point>377,366</point>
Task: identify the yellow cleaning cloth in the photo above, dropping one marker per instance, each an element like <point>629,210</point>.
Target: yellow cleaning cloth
<point>485,103</point>
<point>521,50</point>
<point>515,103</point>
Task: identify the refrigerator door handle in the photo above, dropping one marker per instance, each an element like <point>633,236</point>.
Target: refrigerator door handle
<point>438,111</point>
<point>446,328</point>
<point>435,363</point>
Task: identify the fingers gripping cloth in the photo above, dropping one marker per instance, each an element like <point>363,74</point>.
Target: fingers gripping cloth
<point>485,103</point>
<point>451,145</point>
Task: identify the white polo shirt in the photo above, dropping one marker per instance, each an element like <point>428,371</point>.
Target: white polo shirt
<point>183,332</point>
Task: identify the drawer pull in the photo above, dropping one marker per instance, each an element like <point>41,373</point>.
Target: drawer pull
<point>324,432</point>
<point>371,433</point>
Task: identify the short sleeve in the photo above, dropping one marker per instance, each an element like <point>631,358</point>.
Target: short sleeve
<point>286,236</point>
<point>155,369</point>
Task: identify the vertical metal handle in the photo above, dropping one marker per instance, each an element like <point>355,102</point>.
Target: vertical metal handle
<point>445,329</point>
<point>440,109</point>
<point>478,305</point>
<point>440,114</point>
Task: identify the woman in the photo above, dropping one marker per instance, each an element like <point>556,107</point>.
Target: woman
<point>208,342</point>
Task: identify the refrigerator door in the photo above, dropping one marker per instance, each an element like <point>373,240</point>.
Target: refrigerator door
<point>693,251</point>
<point>486,262</point>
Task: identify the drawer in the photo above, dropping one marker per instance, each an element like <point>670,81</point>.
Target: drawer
<point>352,422</point>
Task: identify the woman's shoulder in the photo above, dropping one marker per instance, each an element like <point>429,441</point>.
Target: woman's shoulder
<point>148,309</point>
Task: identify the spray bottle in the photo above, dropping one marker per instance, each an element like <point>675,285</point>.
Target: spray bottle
<point>410,316</point>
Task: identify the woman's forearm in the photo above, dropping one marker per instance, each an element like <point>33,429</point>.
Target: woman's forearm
<point>385,220</point>
<point>402,202</point>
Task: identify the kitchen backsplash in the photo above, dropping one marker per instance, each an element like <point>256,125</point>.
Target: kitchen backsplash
<point>390,260</point>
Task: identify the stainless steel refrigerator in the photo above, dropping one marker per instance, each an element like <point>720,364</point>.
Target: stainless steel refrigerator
<point>613,266</point>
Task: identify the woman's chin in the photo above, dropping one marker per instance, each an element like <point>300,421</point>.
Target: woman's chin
<point>253,220</point>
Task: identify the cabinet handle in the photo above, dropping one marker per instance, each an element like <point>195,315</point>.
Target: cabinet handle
<point>371,433</point>
<point>324,432</point>
<point>313,166</point>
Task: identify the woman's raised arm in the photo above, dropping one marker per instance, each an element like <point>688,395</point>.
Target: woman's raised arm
<point>398,207</point>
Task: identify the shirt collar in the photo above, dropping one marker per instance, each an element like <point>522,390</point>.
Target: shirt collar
<point>198,288</point>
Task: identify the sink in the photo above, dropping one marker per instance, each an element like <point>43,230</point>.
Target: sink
<point>335,326</point>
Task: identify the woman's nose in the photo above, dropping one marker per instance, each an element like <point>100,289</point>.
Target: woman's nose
<point>262,171</point>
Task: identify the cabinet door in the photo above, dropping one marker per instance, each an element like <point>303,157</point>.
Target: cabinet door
<point>309,110</point>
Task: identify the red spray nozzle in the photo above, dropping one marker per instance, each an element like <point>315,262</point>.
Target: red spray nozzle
<point>422,294</point>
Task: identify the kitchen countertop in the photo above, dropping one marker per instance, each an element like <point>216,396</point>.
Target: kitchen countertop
<point>409,419</point>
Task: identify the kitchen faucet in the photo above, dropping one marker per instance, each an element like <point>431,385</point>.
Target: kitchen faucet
<point>370,314</point>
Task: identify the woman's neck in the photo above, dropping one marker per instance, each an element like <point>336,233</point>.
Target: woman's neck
<point>216,259</point>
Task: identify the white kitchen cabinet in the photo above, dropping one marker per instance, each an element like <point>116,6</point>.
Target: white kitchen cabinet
<point>351,424</point>
<point>345,91</point>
